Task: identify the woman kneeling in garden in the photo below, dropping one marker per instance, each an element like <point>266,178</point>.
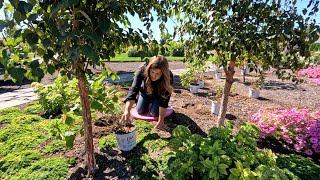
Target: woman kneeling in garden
<point>153,83</point>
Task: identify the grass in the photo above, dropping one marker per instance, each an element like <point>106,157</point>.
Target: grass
<point>123,57</point>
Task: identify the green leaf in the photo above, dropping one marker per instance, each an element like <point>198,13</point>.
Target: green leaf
<point>3,24</point>
<point>105,25</point>
<point>32,38</point>
<point>68,119</point>
<point>46,42</point>
<point>17,33</point>
<point>90,53</point>
<point>85,15</point>
<point>17,74</point>
<point>69,3</point>
<point>18,16</point>
<point>33,17</point>
<point>181,132</point>
<point>304,11</point>
<point>34,64</point>
<point>69,138</point>
<point>51,69</point>
<point>223,169</point>
<point>24,7</point>
<point>96,105</point>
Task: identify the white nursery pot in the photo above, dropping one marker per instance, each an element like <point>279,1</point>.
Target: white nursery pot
<point>127,142</point>
<point>218,75</point>
<point>254,93</point>
<point>244,71</point>
<point>201,83</point>
<point>194,88</point>
<point>215,107</point>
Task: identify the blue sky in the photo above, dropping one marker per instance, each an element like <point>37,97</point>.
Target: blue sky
<point>136,23</point>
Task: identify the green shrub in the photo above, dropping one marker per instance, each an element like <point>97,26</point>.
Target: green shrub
<point>34,108</point>
<point>55,145</point>
<point>303,167</point>
<point>60,96</point>
<point>135,53</point>
<point>49,168</point>
<point>108,141</point>
<point>8,114</point>
<point>63,95</point>
<point>222,155</point>
<point>27,119</point>
<point>14,162</point>
<point>178,52</point>
<point>155,145</point>
<point>187,77</point>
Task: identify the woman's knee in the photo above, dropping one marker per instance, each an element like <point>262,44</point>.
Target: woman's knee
<point>142,110</point>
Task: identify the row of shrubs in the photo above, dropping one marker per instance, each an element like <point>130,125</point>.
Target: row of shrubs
<point>223,154</point>
<point>179,52</point>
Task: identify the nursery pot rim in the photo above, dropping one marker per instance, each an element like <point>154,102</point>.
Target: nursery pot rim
<point>120,132</point>
<point>194,84</point>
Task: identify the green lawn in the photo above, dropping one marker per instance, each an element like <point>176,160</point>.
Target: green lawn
<point>123,57</point>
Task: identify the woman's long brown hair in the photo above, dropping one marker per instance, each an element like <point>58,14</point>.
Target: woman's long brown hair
<point>165,88</point>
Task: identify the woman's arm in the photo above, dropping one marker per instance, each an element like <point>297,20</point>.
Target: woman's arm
<point>132,95</point>
<point>160,124</point>
<point>136,85</point>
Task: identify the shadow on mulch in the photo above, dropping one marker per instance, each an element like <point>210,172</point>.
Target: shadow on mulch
<point>9,85</point>
<point>231,117</point>
<point>275,85</point>
<point>181,119</point>
<point>263,99</point>
<point>278,147</point>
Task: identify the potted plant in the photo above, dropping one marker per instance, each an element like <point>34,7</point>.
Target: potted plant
<point>254,90</point>
<point>218,74</point>
<point>200,82</point>
<point>188,78</point>
<point>194,87</point>
<point>215,102</point>
<point>126,135</point>
<point>245,70</point>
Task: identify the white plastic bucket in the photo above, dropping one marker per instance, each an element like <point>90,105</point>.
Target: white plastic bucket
<point>218,75</point>
<point>127,142</point>
<point>215,107</point>
<point>194,89</point>
<point>244,71</point>
<point>254,93</point>
<point>201,83</point>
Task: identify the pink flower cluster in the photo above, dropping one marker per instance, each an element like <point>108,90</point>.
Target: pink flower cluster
<point>311,72</point>
<point>299,128</point>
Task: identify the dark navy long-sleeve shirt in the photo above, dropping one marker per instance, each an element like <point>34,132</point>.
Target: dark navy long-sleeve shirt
<point>138,85</point>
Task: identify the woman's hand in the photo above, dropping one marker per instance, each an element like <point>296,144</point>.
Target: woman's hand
<point>126,117</point>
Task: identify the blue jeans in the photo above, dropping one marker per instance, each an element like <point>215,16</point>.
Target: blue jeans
<point>147,104</point>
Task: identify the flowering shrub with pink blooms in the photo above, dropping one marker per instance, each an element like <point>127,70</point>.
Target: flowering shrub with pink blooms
<point>311,72</point>
<point>298,128</point>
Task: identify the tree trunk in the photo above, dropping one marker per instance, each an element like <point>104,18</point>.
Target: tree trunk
<point>87,120</point>
<point>244,74</point>
<point>225,97</point>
